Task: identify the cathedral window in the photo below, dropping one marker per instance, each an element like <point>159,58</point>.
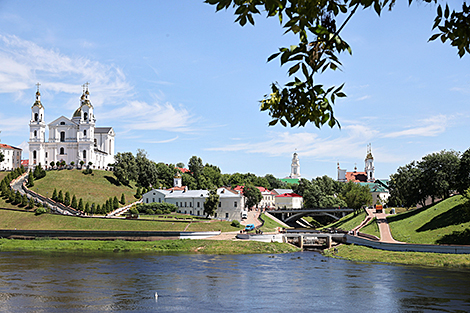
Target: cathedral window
<point>62,123</point>
<point>61,151</point>
<point>84,154</point>
<point>34,154</point>
<point>35,117</point>
<point>62,136</point>
<point>35,133</point>
<point>84,132</point>
<point>95,142</point>
<point>85,116</point>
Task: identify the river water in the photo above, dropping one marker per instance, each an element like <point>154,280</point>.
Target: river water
<point>296,282</point>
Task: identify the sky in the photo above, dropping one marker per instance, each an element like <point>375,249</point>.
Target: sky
<point>177,79</point>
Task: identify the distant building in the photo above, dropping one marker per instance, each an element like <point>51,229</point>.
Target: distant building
<point>359,177</point>
<point>295,167</point>
<point>192,201</point>
<point>12,157</point>
<point>70,140</point>
<point>267,197</point>
<point>289,201</point>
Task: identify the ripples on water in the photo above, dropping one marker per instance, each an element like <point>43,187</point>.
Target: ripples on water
<point>298,282</point>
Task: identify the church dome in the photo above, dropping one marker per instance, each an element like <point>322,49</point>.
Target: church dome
<point>77,113</point>
<point>369,156</point>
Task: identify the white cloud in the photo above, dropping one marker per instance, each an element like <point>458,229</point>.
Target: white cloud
<point>350,143</point>
<point>430,127</point>
<point>23,63</point>
<point>138,115</point>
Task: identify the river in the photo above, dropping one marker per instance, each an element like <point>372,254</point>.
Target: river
<point>297,282</point>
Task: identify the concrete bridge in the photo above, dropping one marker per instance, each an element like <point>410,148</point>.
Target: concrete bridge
<point>292,215</point>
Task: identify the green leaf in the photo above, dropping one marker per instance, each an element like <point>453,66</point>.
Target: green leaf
<point>273,122</point>
<point>294,69</point>
<point>434,37</point>
<point>273,56</point>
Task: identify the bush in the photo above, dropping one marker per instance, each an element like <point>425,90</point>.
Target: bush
<point>235,223</point>
<point>134,211</point>
<point>40,211</point>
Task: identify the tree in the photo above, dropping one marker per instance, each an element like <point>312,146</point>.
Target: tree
<point>463,174</point>
<point>166,173</point>
<point>318,25</point>
<point>30,203</point>
<point>52,164</point>
<point>123,199</point>
<point>321,192</point>
<point>80,205</point>
<point>253,196</point>
<point>211,203</point>
<point>180,164</point>
<point>54,195</point>
<point>115,203</point>
<point>87,207</point>
<point>67,198</point>
<point>356,196</point>
<point>73,204</point>
<point>146,170</point>
<point>439,173</point>
<point>60,197</point>
<point>125,167</point>
<point>138,193</point>
<point>31,179</point>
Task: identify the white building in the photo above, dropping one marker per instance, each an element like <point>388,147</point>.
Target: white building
<point>12,157</point>
<point>289,201</point>
<point>70,140</point>
<point>192,201</point>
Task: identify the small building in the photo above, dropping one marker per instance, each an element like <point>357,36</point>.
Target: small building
<point>192,201</point>
<point>12,157</point>
<point>267,197</point>
<point>289,201</point>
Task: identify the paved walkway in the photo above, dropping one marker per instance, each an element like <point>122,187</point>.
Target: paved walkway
<point>384,228</point>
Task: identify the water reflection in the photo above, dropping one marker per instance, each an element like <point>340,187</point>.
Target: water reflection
<point>299,282</point>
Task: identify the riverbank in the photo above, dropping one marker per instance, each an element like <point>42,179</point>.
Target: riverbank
<point>364,254</point>
<point>120,246</point>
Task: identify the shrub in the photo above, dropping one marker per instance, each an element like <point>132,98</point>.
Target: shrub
<point>235,223</point>
<point>40,211</point>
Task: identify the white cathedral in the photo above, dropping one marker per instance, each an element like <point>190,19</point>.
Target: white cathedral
<point>70,140</point>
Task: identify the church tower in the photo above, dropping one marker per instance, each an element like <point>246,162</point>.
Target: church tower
<point>369,165</point>
<point>295,167</point>
<point>177,180</point>
<point>37,132</point>
<point>85,119</point>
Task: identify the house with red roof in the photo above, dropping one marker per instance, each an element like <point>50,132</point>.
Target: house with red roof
<point>267,200</point>
<point>12,157</point>
<point>289,201</point>
<point>359,177</point>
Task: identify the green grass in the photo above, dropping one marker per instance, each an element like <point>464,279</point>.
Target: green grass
<point>269,224</point>
<point>29,221</point>
<point>441,223</point>
<point>364,254</point>
<point>348,222</point>
<point>183,246</point>
<point>371,228</point>
<point>97,187</point>
<point>3,174</point>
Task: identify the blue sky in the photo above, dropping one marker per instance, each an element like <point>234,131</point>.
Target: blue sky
<point>177,79</point>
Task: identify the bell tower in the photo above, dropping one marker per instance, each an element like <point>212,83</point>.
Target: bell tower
<point>37,132</point>
<point>369,165</point>
<point>295,166</point>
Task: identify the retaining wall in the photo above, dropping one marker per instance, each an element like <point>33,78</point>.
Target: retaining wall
<point>406,247</point>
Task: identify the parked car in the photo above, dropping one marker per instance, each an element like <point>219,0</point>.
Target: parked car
<point>249,227</point>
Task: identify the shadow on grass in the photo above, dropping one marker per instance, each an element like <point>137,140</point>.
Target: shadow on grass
<point>405,215</point>
<point>456,238</point>
<point>113,180</point>
<point>455,216</point>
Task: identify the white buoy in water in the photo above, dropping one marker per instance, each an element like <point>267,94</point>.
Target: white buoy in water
<point>156,295</point>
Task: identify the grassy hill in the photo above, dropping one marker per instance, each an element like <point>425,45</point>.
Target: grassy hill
<point>97,187</point>
<point>447,222</point>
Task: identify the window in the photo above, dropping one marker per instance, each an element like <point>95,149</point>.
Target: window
<point>62,123</point>
<point>198,213</point>
<point>220,204</point>
<point>95,142</point>
<point>226,215</point>
<point>235,204</point>
<point>61,151</point>
<point>198,205</point>
<point>185,204</point>
<point>190,204</point>
<point>147,200</point>
<point>84,132</point>
<point>84,154</point>
<point>159,200</point>
<point>62,136</point>
<point>215,214</point>
<point>85,116</point>
<point>36,117</point>
<point>35,133</point>
<point>46,155</point>
<point>34,154</point>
